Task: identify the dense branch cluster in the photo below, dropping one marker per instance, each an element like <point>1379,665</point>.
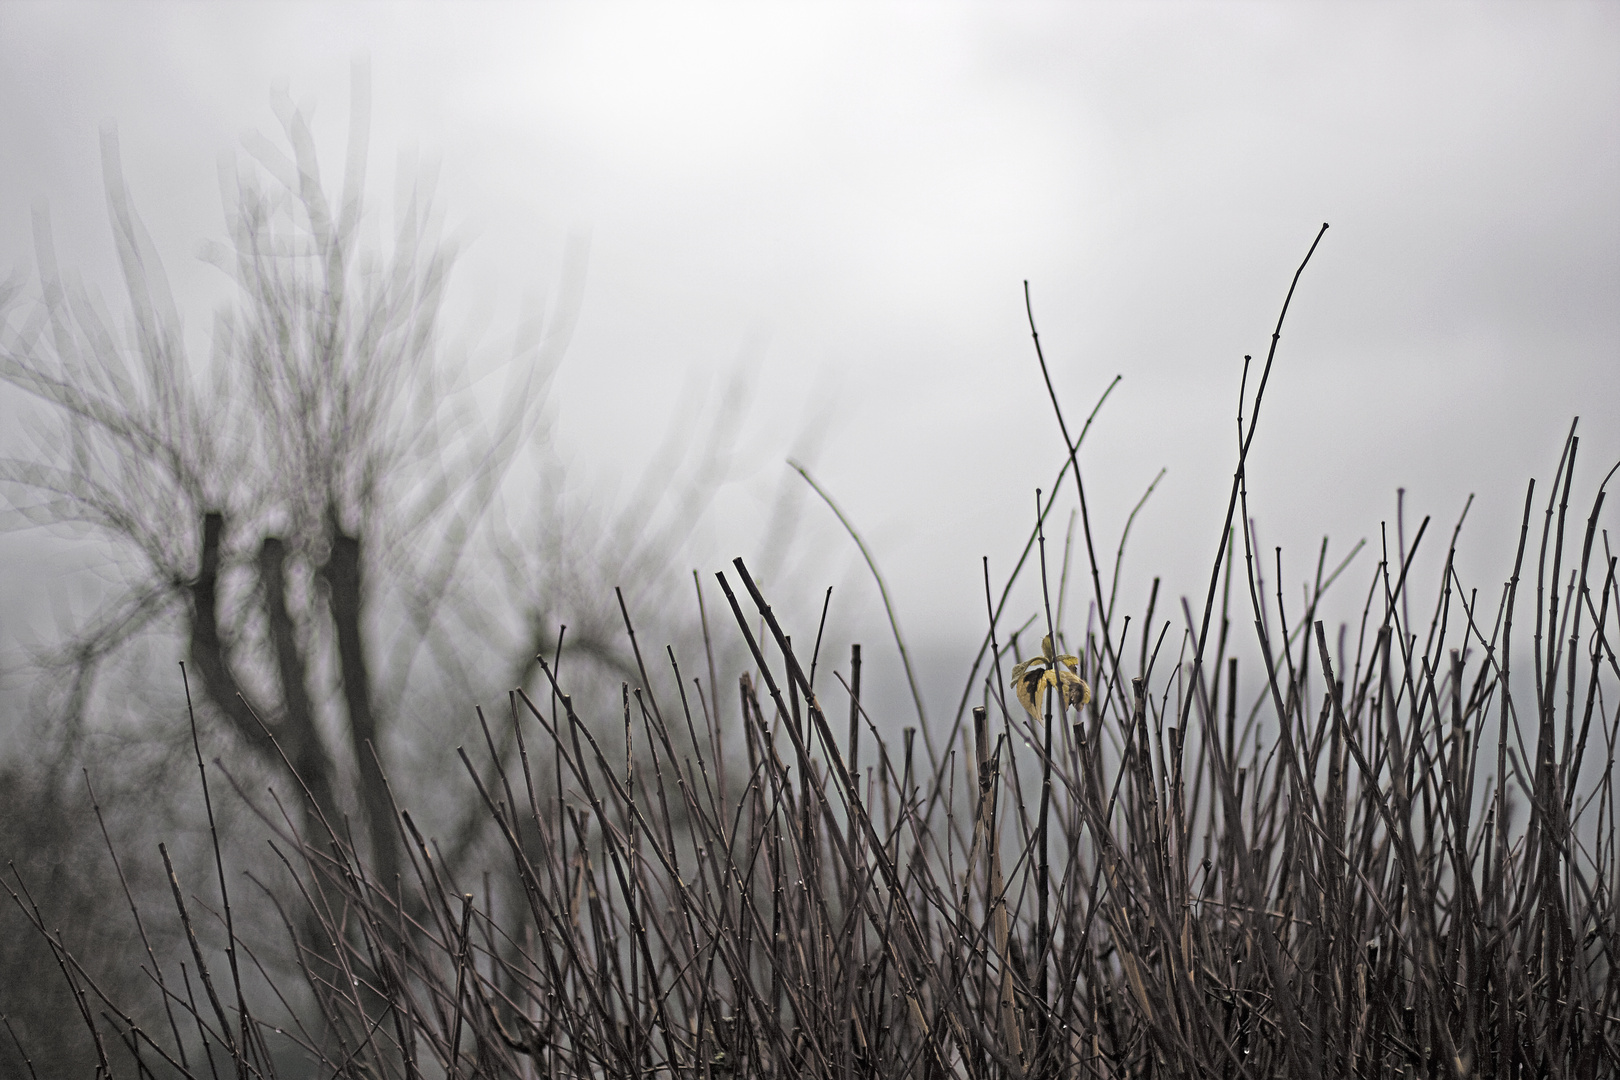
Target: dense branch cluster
<point>1401,860</point>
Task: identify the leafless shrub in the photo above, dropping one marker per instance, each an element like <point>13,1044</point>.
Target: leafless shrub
<point>1149,884</point>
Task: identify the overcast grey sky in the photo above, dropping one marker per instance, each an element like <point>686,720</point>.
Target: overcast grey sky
<point>849,197</point>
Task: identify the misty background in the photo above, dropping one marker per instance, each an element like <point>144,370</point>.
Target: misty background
<point>839,204</point>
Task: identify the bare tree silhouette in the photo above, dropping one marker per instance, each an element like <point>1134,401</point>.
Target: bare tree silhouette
<point>320,458</point>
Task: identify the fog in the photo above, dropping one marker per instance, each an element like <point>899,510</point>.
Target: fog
<point>843,203</point>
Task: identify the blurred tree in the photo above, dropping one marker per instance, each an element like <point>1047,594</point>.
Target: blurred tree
<point>318,465</point>
<point>317,513</point>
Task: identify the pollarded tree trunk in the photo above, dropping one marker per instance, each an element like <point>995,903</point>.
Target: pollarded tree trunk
<point>289,736</point>
<point>293,728</point>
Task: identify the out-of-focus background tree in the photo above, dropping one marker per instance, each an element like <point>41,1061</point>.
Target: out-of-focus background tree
<point>320,517</point>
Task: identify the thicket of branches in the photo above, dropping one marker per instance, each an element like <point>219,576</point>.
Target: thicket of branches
<point>1401,860</point>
